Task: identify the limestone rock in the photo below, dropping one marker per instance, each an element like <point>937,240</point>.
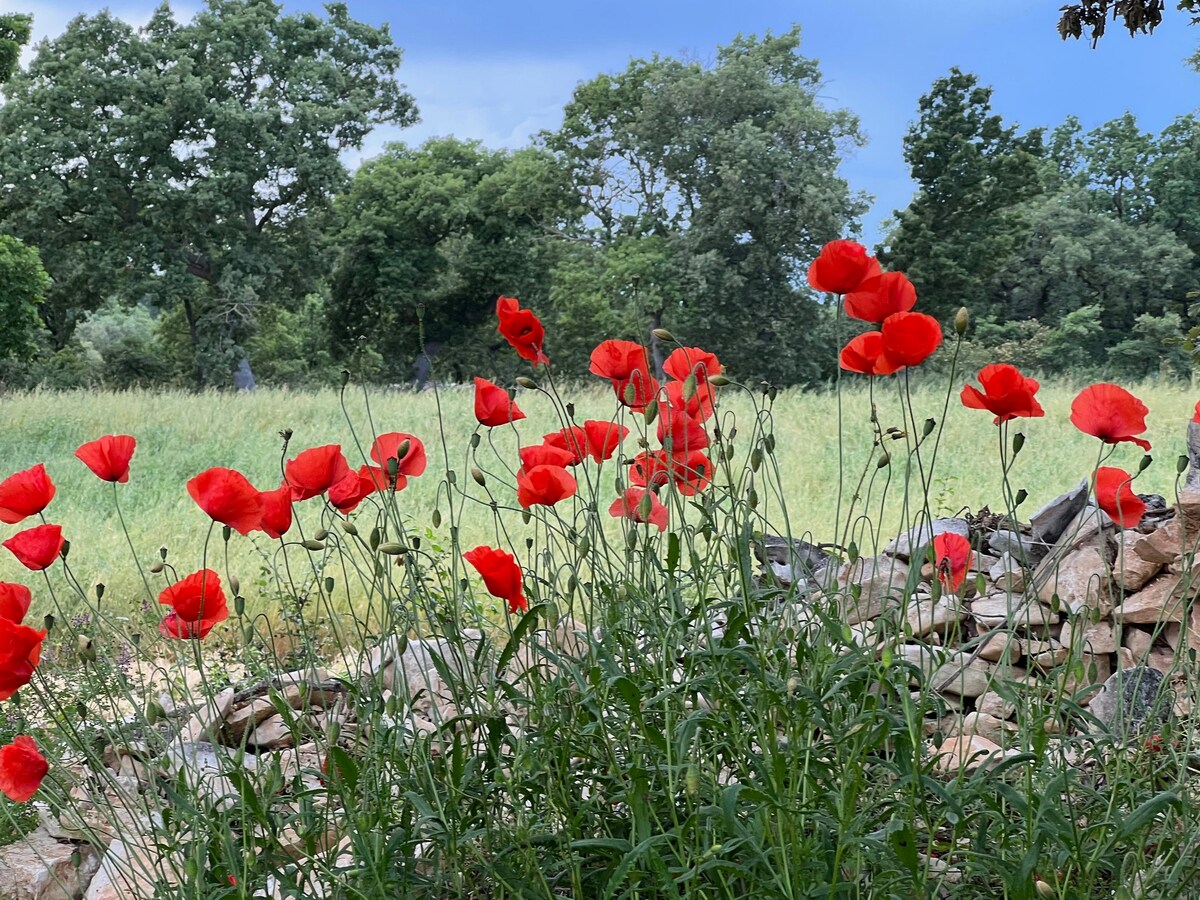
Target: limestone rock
<point>1018,611</point>
<point>1163,545</point>
<point>992,704</point>
<point>927,616</point>
<point>1159,601</point>
<point>1133,700</point>
<point>1091,637</point>
<point>881,580</point>
<point>1080,580</point>
<point>1131,570</point>
<point>1138,642</point>
<point>991,727</point>
<point>962,676</point>
<point>1051,521</point>
<point>205,723</point>
<point>40,868</point>
<point>916,538</point>
<point>994,645</point>
<point>967,752</point>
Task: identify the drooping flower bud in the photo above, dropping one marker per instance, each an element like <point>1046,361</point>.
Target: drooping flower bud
<point>961,320</point>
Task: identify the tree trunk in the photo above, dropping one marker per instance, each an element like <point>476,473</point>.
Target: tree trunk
<point>194,331</point>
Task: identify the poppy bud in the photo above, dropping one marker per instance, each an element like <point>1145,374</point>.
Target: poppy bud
<point>156,567</point>
<point>478,476</point>
<point>646,506</point>
<point>392,548</point>
<point>1018,442</point>
<point>329,583</point>
<point>320,535</point>
<point>436,518</point>
<point>719,380</point>
<point>526,382</point>
<point>629,396</point>
<point>154,712</point>
<point>235,584</point>
<point>239,605</point>
<point>961,320</point>
<point>1145,463</point>
<point>752,498</point>
<point>583,545</point>
<point>884,459</point>
<point>689,387</point>
<point>651,413</point>
<point>345,377</point>
<point>1044,889</point>
<point>526,516</point>
<point>930,424</point>
<point>99,591</point>
<point>769,443</point>
<point>570,408</point>
<point>451,477</point>
<point>1181,465</point>
<point>662,334</point>
<point>393,469</point>
<point>310,544</point>
<point>756,458</point>
<point>347,526</point>
<point>1020,497</point>
<point>66,548</point>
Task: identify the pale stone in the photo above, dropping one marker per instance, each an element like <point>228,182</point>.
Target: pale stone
<point>1138,642</point>
<point>916,538</point>
<point>1016,610</point>
<point>882,580</point>
<point>1080,580</point>
<point>205,723</point>
<point>924,658</point>
<point>1090,637</point>
<point>1044,654</point>
<point>271,734</point>
<point>1131,571</point>
<point>991,727</point>
<point>993,646</point>
<point>132,870</point>
<point>247,716</point>
<point>962,676</point>
<point>1008,574</point>
<point>966,753</point>
<point>1159,601</point>
<point>1163,545</point>
<point>992,704</point>
<point>38,867</point>
<point>1162,659</point>
<point>926,616</point>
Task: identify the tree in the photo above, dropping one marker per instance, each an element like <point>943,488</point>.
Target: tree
<point>1137,16</point>
<point>430,238</point>
<point>191,164</point>
<point>973,174</point>
<point>1174,180</point>
<point>15,30</point>
<point>23,284</point>
<point>729,171</point>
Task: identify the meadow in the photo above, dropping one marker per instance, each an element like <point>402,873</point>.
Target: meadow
<point>180,434</point>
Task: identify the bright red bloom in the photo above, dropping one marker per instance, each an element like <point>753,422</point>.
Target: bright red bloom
<point>574,440</point>
<point>37,548</point>
<point>14,601</point>
<point>1114,495</point>
<point>650,469</point>
<point>20,651</point>
<point>678,432</point>
<point>1006,393</point>
<point>700,406</point>
<point>314,471</point>
<point>522,329</point>
<point>878,297</point>
<point>356,487</point>
<point>108,457</point>
<point>198,604</point>
<point>544,486</point>
<point>952,559</point>
<point>228,497</point>
<point>1110,413</point>
<point>864,354</point>
<point>387,446</point>
<point>627,366</point>
<point>22,768</point>
<point>276,511</point>
<point>493,406</point>
<point>684,361</point>
<point>910,338</point>
<point>641,506</point>
<point>25,494</point>
<point>1196,414</point>
<point>501,575</point>
<point>691,472</point>
<point>546,455</point>
<point>603,438</point>
<point>842,266</point>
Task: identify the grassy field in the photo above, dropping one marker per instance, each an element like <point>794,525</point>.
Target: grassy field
<point>180,434</point>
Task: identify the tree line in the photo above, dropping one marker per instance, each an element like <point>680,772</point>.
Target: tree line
<point>174,203</point>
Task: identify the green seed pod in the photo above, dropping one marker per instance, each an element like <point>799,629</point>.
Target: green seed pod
<point>376,537</point>
<point>477,475</point>
<point>239,605</point>
<point>475,439</point>
<point>1020,497</point>
<point>692,780</point>
<point>930,424</point>
<point>347,526</point>
<point>329,584</point>
<point>1181,465</point>
<point>48,622</point>
<point>526,516</point>
<point>436,518</point>
<point>1145,463</point>
<point>162,552</point>
<point>99,591</point>
<point>1018,442</point>
<point>313,545</point>
<point>226,533</point>
<point>392,548</point>
<point>526,382</point>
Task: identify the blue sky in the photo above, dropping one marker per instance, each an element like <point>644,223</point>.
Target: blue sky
<point>500,72</point>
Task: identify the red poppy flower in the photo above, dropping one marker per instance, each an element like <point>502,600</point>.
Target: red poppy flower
<point>20,651</point>
<point>544,486</point>
<point>501,575</point>
<point>1114,495</point>
<point>864,354</point>
<point>228,497</point>
<point>691,472</point>
<point>626,365</point>
<point>493,406</point>
<point>545,455</point>
<point>878,297</point>
<point>678,432</point>
<point>108,457</point>
<point>1196,414</point>
<point>910,338</point>
<point>574,440</point>
<point>356,487</point>
<point>650,469</point>
<point>388,446</point>
<point>1006,392</point>
<point>842,266</point>
<point>37,548</point>
<point>699,406</point>
<point>25,494</point>
<point>637,391</point>
<point>197,602</point>
<point>685,361</point>
<point>314,471</point>
<point>641,506</point>
<point>952,559</point>
<point>522,329</point>
<point>22,768</point>
<point>276,511</point>
<point>14,601</point>
<point>1110,413</point>
<point>603,438</point>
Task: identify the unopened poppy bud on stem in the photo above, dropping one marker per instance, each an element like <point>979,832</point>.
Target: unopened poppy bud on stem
<point>1181,465</point>
<point>99,591</point>
<point>235,584</point>
<point>961,320</point>
<point>310,544</point>
<point>156,567</point>
<point>662,334</point>
<point>477,474</point>
<point>526,382</point>
<point>392,548</point>
<point>719,380</point>
<point>1145,463</point>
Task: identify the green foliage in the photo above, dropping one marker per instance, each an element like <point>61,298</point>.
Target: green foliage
<point>23,285</point>
<point>212,152</point>
<point>731,169</point>
<point>15,30</point>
